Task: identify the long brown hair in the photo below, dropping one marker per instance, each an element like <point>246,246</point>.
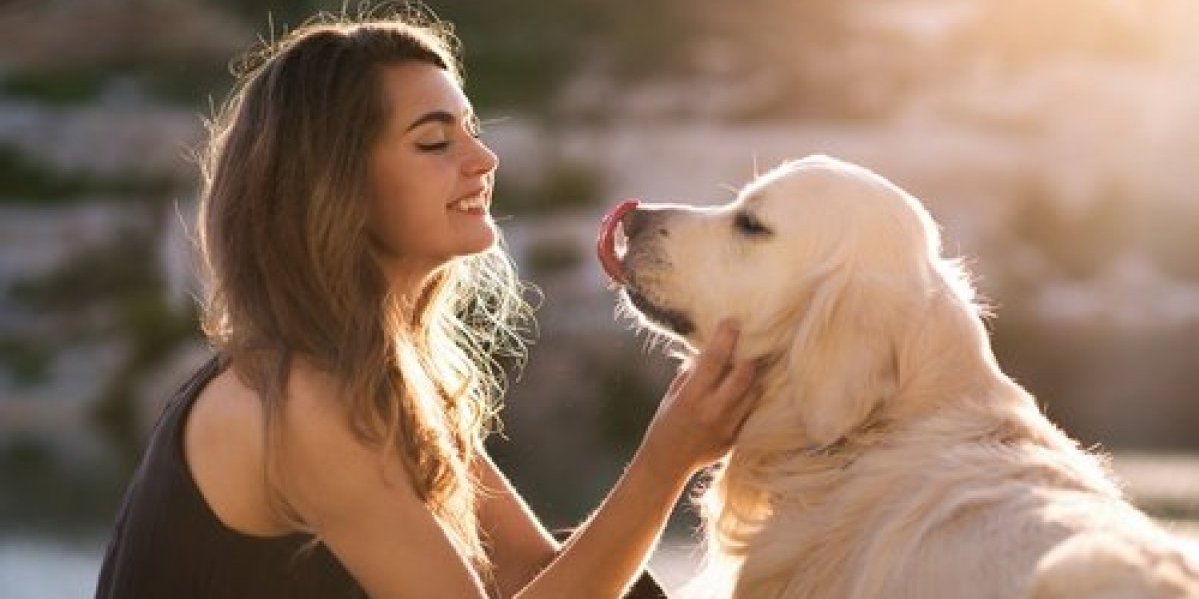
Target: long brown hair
<point>291,270</point>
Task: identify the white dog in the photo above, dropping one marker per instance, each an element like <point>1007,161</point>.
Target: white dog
<point>888,456</point>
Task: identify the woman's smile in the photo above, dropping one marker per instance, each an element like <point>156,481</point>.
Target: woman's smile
<point>474,203</point>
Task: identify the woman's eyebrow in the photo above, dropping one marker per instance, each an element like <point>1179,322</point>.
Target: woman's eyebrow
<point>436,116</point>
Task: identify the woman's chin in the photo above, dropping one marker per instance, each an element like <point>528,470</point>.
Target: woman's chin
<point>487,238</point>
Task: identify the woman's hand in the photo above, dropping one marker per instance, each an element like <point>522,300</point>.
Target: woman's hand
<point>695,425</point>
<point>703,409</point>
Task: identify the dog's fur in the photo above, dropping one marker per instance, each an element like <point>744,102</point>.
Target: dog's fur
<point>888,456</point>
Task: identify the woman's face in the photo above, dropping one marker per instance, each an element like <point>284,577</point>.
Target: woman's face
<point>431,177</point>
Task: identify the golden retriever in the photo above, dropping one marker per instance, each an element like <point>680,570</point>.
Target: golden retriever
<point>888,456</point>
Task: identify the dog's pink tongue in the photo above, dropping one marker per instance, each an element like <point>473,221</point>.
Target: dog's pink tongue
<point>606,244</point>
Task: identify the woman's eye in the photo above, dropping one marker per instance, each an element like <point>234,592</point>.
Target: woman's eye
<point>747,224</point>
<point>436,146</point>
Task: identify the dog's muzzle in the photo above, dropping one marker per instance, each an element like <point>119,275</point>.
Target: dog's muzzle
<point>623,226</point>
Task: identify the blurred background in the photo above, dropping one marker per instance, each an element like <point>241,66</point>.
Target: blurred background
<point>1056,142</point>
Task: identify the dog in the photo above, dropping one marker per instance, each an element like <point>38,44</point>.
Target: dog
<point>888,455</point>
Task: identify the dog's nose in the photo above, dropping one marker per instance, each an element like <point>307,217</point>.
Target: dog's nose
<point>641,222</point>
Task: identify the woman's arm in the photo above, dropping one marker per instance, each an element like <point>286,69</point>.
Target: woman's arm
<point>361,504</point>
<point>367,513</point>
<point>695,425</point>
<point>519,546</point>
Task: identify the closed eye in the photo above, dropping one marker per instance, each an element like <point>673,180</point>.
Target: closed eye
<point>748,224</point>
<point>433,147</point>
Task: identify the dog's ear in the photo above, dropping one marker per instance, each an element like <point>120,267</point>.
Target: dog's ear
<point>843,360</point>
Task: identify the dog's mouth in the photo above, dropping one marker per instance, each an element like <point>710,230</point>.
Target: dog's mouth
<point>611,248</point>
<point>676,321</point>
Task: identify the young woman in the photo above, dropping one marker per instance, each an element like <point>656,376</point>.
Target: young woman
<point>333,447</point>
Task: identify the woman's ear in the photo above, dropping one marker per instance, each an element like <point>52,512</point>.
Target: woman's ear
<point>843,360</point>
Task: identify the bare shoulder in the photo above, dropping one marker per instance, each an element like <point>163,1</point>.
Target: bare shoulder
<point>224,450</point>
<point>313,400</point>
<point>323,468</point>
<point>329,471</point>
<point>359,500</point>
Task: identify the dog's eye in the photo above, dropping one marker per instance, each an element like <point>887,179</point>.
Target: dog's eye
<point>749,225</point>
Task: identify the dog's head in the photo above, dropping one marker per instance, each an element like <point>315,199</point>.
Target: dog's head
<point>823,264</point>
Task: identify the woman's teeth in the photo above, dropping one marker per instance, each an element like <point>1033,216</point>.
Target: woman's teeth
<point>469,204</point>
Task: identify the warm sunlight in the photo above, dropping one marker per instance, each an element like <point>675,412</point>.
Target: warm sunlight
<point>1055,142</point>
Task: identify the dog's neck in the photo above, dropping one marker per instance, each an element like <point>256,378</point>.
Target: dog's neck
<point>949,392</point>
<point>852,443</point>
<point>945,361</point>
<point>988,408</point>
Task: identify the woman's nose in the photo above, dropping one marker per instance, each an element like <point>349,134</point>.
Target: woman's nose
<point>482,159</point>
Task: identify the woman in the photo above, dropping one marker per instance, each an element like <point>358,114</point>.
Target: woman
<point>334,445</point>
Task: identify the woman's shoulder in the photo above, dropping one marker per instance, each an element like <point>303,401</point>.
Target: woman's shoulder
<point>315,417</point>
<point>231,408</point>
<point>225,420</point>
<point>329,467</point>
<point>224,447</point>
<point>309,415</point>
<point>313,393</point>
<point>317,456</point>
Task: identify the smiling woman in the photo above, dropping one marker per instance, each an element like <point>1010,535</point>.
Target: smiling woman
<point>357,301</point>
<point>430,204</point>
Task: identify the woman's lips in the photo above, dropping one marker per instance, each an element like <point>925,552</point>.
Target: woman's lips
<point>606,244</point>
<point>473,202</point>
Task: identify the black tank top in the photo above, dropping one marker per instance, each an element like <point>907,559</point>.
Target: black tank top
<point>168,544</point>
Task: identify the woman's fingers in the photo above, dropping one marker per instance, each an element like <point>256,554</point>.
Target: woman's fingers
<point>713,362</point>
<point>705,406</point>
<point>723,408</point>
<point>736,382</point>
<point>737,389</point>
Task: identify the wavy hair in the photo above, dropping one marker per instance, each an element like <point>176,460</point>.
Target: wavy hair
<point>291,271</point>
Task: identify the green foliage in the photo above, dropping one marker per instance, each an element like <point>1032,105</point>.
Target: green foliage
<point>26,360</point>
<point>62,86</point>
<point>628,385</point>
<point>122,270</point>
<point>43,492</point>
<point>26,180</point>
<point>152,330</point>
<point>183,80</point>
<point>627,403</point>
<point>109,292</point>
<point>281,12</point>
<point>519,53</point>
<point>564,186</point>
<point>553,257</point>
